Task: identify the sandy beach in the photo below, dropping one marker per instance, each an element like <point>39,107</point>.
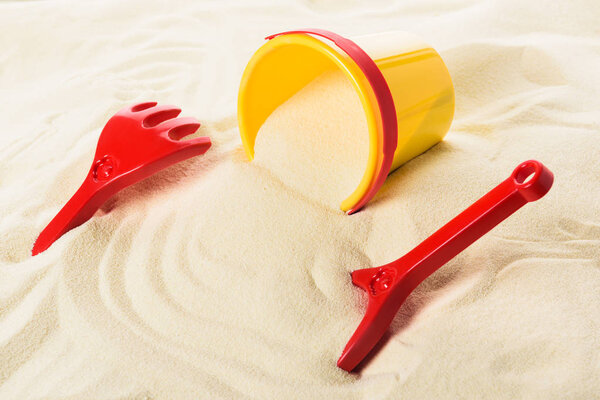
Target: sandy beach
<point>218,279</point>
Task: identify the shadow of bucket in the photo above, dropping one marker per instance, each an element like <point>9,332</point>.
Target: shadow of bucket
<point>404,87</point>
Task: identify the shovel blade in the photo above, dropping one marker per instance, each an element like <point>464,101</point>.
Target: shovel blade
<point>380,283</point>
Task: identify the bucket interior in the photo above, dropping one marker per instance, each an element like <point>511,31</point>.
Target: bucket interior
<point>283,66</point>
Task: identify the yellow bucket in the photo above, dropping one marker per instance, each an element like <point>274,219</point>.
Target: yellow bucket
<point>403,84</point>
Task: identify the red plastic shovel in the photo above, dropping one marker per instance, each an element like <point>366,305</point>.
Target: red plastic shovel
<point>136,142</point>
<point>389,285</point>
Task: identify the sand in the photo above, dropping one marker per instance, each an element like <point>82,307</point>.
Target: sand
<point>317,143</point>
<point>217,279</point>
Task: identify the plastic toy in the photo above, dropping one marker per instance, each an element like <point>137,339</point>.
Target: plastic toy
<point>136,142</point>
<point>389,285</point>
<point>403,84</point>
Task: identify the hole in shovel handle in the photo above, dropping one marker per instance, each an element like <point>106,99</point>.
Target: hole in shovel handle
<point>532,179</point>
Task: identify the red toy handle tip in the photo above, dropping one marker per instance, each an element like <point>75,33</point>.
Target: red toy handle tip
<point>532,179</point>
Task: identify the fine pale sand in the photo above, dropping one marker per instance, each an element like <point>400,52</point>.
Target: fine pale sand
<point>317,142</point>
<point>219,278</point>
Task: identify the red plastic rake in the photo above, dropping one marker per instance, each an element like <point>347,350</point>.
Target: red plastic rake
<point>136,142</point>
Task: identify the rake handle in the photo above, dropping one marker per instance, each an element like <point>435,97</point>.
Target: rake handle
<point>81,207</point>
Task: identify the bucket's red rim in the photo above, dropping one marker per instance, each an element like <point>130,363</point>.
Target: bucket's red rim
<point>385,103</point>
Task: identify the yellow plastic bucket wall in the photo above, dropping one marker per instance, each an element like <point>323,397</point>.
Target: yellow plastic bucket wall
<point>416,75</point>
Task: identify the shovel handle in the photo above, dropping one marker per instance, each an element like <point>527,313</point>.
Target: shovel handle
<point>530,181</point>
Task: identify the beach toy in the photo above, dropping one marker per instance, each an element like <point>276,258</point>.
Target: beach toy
<point>136,142</point>
<point>403,85</point>
<point>388,286</point>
